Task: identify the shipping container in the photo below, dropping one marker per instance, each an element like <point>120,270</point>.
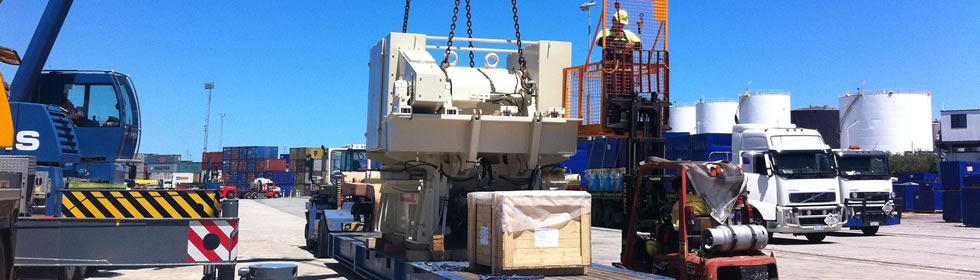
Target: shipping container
<point>236,153</point>
<point>250,164</point>
<point>226,153</point>
<point>234,165</point>
<point>300,153</point>
<point>301,178</point>
<point>284,156</point>
<point>920,178</point>
<point>249,177</point>
<point>166,176</point>
<point>711,146</point>
<point>212,157</point>
<point>266,152</point>
<point>155,158</point>
<point>268,164</point>
<point>161,167</point>
<point>226,178</point>
<point>183,177</point>
<point>284,177</point>
<point>226,165</point>
<point>249,152</point>
<point>287,189</point>
<point>678,147</point>
<point>188,167</point>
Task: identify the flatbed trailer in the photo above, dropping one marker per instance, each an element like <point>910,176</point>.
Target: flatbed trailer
<point>349,249</point>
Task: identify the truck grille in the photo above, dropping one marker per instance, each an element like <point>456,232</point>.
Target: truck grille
<point>812,197</point>
<point>872,195</point>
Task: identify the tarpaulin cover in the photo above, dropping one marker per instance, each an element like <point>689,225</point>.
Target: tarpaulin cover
<point>719,191</point>
<point>526,210</point>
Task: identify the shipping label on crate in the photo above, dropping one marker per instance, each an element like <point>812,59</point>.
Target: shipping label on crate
<point>484,236</point>
<point>546,237</point>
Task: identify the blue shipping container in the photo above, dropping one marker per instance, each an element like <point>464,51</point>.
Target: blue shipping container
<point>226,153</point>
<point>578,162</point>
<point>287,189</point>
<point>603,152</point>
<point>956,174</point>
<point>250,165</point>
<point>225,165</point>
<point>284,177</point>
<point>284,156</point>
<point>971,207</point>
<point>952,206</point>
<point>266,152</point>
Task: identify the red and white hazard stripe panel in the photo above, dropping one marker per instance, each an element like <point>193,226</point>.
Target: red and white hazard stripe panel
<point>212,241</point>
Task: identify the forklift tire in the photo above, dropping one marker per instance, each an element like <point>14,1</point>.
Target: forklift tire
<point>869,231</point>
<point>321,249</point>
<point>230,195</point>
<point>815,237</point>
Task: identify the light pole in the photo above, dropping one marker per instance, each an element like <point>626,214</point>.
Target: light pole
<point>587,7</point>
<point>221,133</point>
<point>207,119</point>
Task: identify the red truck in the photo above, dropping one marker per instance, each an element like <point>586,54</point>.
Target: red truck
<point>261,187</point>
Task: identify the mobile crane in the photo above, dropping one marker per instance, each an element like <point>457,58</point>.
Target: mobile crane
<point>83,129</point>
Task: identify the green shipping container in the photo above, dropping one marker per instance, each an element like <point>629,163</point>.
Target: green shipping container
<point>189,167</point>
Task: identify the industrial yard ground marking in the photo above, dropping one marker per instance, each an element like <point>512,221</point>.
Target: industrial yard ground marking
<point>140,204</point>
<point>209,241</point>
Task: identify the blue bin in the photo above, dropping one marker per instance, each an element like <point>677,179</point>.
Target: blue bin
<point>906,191</point>
<point>929,201</point>
<point>952,206</point>
<point>678,147</point>
<point>971,206</point>
<point>916,177</point>
<point>958,174</point>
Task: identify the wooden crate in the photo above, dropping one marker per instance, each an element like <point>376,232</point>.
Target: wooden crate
<point>549,248</point>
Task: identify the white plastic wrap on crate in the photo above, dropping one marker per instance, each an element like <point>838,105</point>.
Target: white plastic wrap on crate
<point>716,116</point>
<point>528,210</point>
<point>764,107</point>
<point>887,120</point>
<point>683,119</point>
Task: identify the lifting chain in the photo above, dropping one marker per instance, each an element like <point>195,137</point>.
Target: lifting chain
<point>469,30</point>
<point>449,42</point>
<point>408,3</point>
<point>520,49</point>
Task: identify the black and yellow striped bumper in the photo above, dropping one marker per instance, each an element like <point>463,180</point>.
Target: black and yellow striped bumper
<point>87,203</point>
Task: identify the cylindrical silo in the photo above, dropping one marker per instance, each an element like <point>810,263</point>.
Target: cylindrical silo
<point>683,118</point>
<point>887,120</point>
<point>716,116</point>
<point>824,119</point>
<point>764,107</point>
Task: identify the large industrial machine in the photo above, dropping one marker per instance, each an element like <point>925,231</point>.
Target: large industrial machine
<point>83,129</point>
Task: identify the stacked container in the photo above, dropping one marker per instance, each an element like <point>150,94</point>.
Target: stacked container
<point>956,175</point>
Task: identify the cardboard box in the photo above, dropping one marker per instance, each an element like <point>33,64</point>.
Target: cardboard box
<point>530,232</point>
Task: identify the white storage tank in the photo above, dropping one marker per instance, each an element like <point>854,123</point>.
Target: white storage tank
<point>771,107</point>
<point>683,118</point>
<point>887,120</point>
<point>716,116</point>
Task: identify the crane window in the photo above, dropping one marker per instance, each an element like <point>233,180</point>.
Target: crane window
<point>92,105</point>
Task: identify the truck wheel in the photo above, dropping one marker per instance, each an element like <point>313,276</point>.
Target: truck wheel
<point>869,231</point>
<point>306,236</point>
<point>230,195</point>
<point>277,195</point>
<point>816,237</point>
<point>320,250</point>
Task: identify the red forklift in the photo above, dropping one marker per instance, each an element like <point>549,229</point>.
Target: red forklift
<point>626,95</point>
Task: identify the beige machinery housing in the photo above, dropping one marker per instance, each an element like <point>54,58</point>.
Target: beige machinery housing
<point>441,133</point>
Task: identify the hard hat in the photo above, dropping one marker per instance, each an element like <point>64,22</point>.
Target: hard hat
<point>622,17</point>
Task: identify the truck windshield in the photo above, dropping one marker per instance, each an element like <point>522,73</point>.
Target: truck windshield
<point>812,164</point>
<point>864,167</point>
<point>348,160</point>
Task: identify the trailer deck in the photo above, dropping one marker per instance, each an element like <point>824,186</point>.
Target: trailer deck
<point>372,263</point>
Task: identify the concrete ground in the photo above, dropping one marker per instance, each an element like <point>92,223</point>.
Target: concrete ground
<point>266,235</point>
<point>922,247</point>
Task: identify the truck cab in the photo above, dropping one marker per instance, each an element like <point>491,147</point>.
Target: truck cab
<point>791,177</point>
<point>866,189</point>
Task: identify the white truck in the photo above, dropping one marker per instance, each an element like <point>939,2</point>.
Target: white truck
<point>791,177</point>
<point>866,189</point>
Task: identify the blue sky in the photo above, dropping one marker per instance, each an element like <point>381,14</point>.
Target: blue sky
<point>294,73</point>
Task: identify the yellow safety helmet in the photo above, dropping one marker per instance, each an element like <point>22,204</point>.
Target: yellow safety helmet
<point>622,17</point>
